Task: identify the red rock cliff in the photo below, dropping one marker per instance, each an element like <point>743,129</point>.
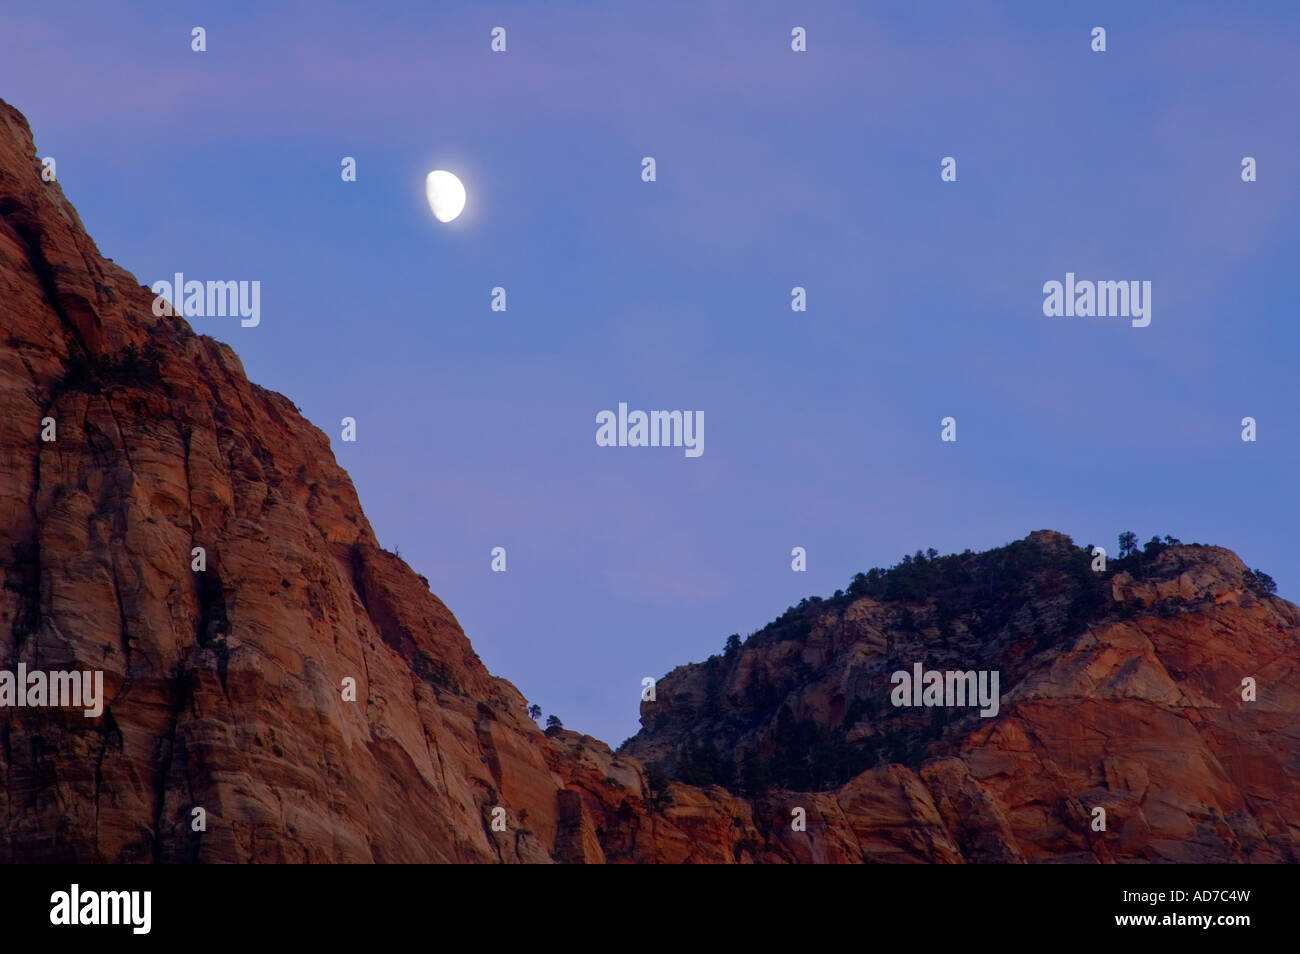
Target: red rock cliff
<point>223,687</point>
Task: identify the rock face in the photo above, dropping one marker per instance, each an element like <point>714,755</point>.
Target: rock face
<point>224,685</point>
<point>1121,690</point>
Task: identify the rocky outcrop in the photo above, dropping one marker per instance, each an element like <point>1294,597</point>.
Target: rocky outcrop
<point>1163,690</point>
<point>190,535</point>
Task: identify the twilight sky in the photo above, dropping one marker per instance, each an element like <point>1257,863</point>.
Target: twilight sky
<point>775,169</point>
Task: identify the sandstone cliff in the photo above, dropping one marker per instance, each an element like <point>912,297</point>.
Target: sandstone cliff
<point>223,686</point>
<point>1121,690</point>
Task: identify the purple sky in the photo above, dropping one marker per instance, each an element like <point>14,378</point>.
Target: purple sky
<point>775,169</point>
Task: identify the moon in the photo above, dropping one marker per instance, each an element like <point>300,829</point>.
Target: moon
<point>446,195</point>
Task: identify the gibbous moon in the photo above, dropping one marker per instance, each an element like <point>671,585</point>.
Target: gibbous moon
<point>446,195</point>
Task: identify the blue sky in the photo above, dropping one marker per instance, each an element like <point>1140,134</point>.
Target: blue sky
<point>775,169</point>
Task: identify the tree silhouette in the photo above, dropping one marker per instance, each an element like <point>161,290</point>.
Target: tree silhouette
<point>1128,544</point>
<point>1264,584</point>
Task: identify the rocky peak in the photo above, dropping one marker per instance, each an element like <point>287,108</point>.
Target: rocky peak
<point>805,703</point>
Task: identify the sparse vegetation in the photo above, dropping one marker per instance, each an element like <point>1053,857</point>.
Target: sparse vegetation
<point>1033,594</point>
<point>660,788</point>
<point>129,366</point>
<point>1259,583</point>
